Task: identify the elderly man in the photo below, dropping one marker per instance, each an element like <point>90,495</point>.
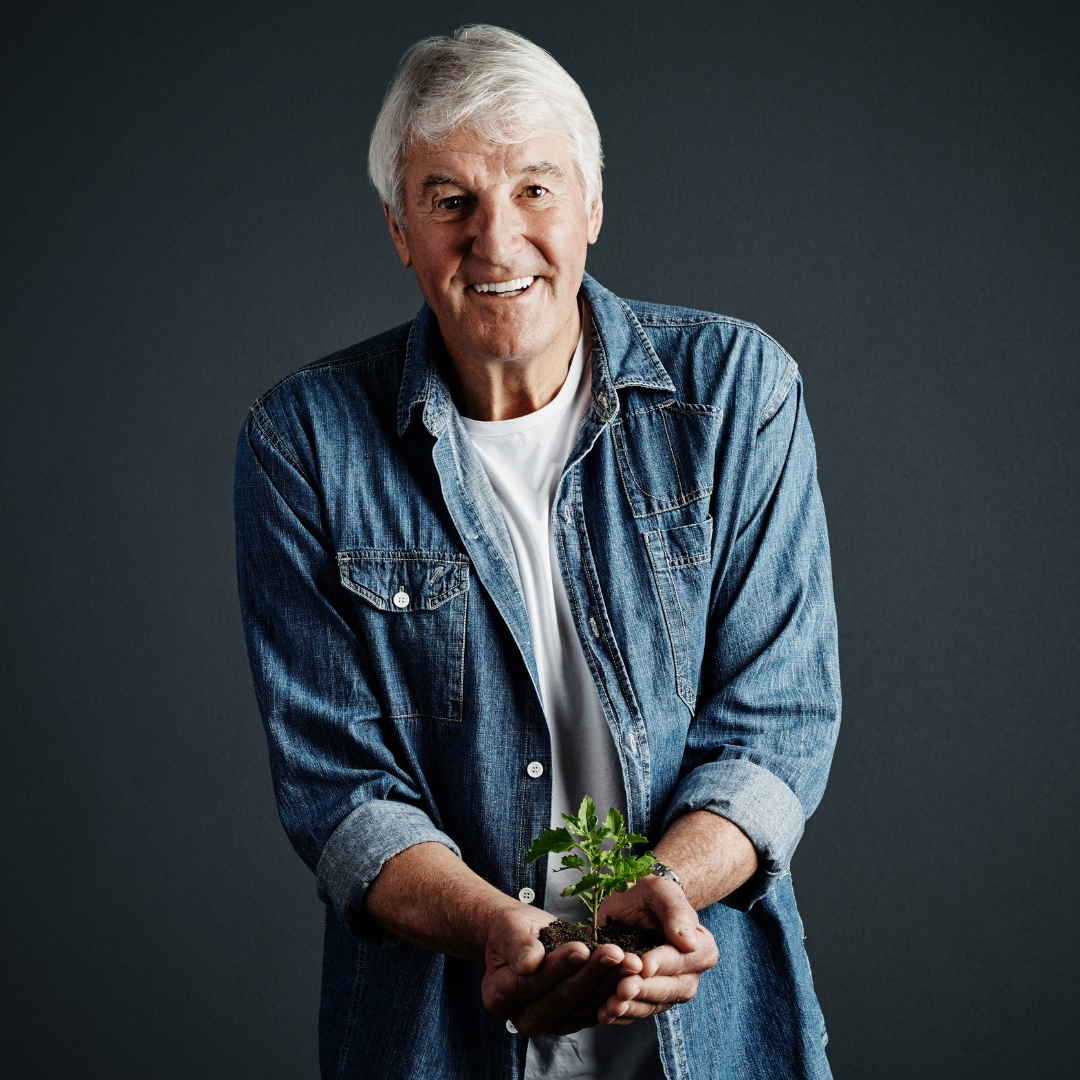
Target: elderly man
<point>539,543</point>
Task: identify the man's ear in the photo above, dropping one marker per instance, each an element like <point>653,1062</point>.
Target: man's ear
<point>596,211</point>
<point>397,234</point>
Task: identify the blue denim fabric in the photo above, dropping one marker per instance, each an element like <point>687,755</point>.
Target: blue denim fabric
<point>692,542</point>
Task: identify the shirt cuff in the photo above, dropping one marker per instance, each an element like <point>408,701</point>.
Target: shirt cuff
<point>356,851</point>
<point>756,800</point>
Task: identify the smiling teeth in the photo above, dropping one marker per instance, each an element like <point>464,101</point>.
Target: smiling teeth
<point>514,285</point>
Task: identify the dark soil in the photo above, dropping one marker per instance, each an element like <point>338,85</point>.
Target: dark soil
<point>628,938</point>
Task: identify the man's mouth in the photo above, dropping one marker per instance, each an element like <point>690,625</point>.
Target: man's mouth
<point>513,287</point>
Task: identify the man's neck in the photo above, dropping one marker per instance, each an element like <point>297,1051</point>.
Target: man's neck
<point>486,389</point>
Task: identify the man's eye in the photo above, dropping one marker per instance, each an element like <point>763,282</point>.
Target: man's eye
<point>534,191</point>
<point>451,202</point>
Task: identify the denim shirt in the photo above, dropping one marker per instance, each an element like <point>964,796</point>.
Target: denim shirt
<point>394,667</point>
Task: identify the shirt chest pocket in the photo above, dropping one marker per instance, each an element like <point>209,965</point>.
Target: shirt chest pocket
<point>666,455</point>
<point>681,561</point>
<point>412,608</point>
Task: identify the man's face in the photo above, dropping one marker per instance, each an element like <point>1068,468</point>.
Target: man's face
<point>479,216</point>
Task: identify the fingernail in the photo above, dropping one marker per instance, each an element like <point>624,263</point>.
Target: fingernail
<point>523,956</point>
<point>577,958</point>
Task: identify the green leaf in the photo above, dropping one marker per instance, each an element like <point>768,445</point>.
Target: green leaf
<point>586,884</point>
<point>603,870</point>
<point>550,840</point>
<point>574,890</point>
<point>587,814</point>
<point>637,868</point>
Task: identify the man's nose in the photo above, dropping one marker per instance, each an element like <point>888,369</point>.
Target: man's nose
<point>498,234</point>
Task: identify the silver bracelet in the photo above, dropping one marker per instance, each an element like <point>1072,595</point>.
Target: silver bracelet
<point>660,870</point>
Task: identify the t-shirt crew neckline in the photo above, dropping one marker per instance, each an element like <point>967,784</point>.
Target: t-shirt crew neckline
<point>556,406</point>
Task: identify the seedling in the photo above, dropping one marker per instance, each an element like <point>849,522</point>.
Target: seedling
<point>602,871</point>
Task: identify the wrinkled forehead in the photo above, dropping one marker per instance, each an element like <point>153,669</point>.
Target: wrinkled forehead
<point>470,158</point>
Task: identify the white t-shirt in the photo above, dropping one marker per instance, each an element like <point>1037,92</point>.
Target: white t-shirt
<point>524,460</point>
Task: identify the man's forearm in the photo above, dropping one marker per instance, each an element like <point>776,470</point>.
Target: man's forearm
<point>712,856</point>
<point>428,896</point>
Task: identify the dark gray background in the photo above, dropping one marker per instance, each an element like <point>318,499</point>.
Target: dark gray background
<point>888,188</point>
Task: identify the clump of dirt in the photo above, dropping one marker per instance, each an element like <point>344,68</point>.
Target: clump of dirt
<point>630,939</point>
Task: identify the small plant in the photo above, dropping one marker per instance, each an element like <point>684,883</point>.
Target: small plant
<point>602,871</point>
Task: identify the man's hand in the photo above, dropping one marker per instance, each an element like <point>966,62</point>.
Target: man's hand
<point>429,897</point>
<point>669,974</point>
<point>555,994</point>
<point>712,857</point>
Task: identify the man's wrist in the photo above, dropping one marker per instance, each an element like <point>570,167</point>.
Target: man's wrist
<point>713,856</point>
<point>494,908</point>
<point>665,872</point>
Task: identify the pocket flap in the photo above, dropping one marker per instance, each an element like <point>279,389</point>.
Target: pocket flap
<point>687,545</point>
<point>401,582</point>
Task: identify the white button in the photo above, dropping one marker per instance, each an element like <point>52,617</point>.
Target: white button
<point>401,598</point>
<point>526,896</point>
<point>534,769</point>
<point>510,1027</point>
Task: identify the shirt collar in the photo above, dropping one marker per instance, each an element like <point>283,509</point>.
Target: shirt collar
<point>622,356</point>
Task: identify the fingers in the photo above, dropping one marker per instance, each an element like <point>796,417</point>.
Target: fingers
<point>667,977</point>
<point>668,960</point>
<point>584,1014</point>
<point>518,970</point>
<point>636,998</point>
<point>572,1001</point>
<point>556,968</point>
<point>561,995</point>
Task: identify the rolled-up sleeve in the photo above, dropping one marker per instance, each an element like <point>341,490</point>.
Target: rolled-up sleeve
<point>357,849</point>
<point>344,799</point>
<point>760,745</point>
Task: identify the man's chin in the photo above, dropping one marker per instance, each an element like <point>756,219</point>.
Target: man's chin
<point>515,351</point>
<point>504,340</point>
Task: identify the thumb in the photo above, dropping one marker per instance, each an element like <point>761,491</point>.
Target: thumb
<point>680,924</point>
<point>516,942</point>
<point>524,955</point>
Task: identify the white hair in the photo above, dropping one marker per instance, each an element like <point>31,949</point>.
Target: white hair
<point>486,80</point>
